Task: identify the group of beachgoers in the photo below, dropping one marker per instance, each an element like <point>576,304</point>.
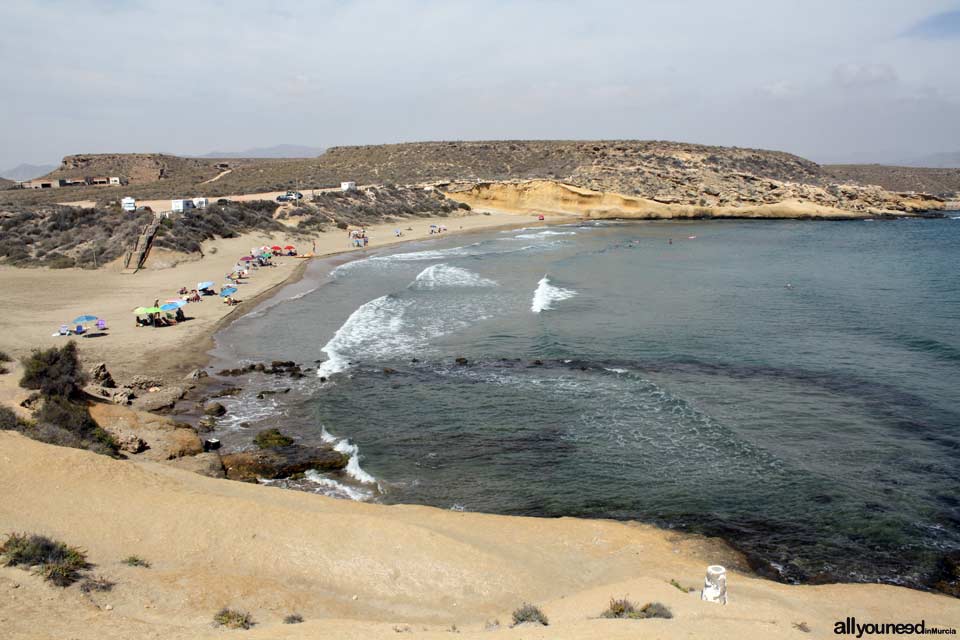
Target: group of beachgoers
<point>171,312</point>
<point>358,237</point>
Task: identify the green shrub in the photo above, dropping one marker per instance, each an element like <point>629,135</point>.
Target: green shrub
<point>64,423</point>
<point>136,561</point>
<point>54,371</point>
<point>293,618</point>
<point>529,613</point>
<point>57,562</point>
<point>271,439</point>
<point>9,420</point>
<point>233,619</point>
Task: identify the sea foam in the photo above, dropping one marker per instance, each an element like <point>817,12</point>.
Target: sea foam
<point>375,324</point>
<point>444,275</point>
<point>547,294</point>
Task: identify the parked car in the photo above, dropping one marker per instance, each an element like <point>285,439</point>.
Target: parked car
<point>223,201</point>
<point>290,196</point>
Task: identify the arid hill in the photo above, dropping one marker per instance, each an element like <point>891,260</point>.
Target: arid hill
<point>661,179</point>
<point>137,168</point>
<point>944,182</point>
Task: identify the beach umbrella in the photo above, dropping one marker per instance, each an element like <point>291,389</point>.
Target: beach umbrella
<point>289,246</point>
<point>84,319</point>
<point>141,311</point>
<point>180,301</point>
<point>275,248</point>
<point>204,285</point>
<point>229,291</point>
<point>170,306</point>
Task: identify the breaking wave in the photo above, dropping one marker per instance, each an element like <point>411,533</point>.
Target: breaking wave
<point>444,275</point>
<point>547,294</point>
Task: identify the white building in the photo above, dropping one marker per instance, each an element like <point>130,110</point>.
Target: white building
<point>200,203</point>
<point>181,205</point>
<point>128,204</point>
<point>348,186</point>
<point>115,180</point>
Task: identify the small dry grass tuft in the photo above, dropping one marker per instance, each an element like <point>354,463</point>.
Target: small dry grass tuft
<point>136,561</point>
<point>624,609</point>
<point>529,613</point>
<point>55,561</point>
<point>233,619</point>
<point>96,583</point>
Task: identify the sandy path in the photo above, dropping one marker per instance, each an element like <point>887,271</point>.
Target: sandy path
<point>356,570</point>
<point>38,301</point>
<point>218,176</point>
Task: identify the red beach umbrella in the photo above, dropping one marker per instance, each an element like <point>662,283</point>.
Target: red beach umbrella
<point>289,246</point>
<point>275,248</point>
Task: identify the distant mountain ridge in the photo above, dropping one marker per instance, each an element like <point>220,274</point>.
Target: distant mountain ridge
<point>945,160</point>
<point>277,151</point>
<point>27,171</point>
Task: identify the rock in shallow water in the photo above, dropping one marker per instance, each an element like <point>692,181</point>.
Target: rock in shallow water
<point>281,462</point>
<point>214,409</point>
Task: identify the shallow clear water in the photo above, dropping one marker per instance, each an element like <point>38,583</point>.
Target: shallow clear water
<point>791,386</point>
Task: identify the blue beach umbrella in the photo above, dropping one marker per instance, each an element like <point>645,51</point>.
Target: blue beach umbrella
<point>170,306</point>
<point>204,285</point>
<point>229,291</point>
<point>84,319</point>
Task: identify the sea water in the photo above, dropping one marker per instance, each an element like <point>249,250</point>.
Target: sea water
<point>791,386</point>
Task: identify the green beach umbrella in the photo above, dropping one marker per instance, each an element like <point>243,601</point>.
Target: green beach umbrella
<point>140,311</point>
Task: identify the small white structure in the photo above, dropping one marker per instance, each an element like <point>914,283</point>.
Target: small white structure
<point>128,204</point>
<point>348,186</point>
<point>115,181</point>
<point>715,585</point>
<point>200,203</point>
<point>181,205</point>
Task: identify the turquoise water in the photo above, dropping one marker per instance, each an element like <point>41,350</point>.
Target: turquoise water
<point>790,386</point>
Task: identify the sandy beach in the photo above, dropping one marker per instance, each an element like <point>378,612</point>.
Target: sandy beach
<point>44,299</point>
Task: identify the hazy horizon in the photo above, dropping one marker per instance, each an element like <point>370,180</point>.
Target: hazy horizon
<point>859,82</point>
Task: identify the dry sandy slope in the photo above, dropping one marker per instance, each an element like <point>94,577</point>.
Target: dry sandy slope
<point>357,570</point>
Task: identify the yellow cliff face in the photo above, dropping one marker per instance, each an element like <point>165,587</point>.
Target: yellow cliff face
<point>554,197</point>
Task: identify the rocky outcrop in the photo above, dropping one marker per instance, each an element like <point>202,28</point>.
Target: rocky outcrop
<point>214,409</point>
<point>101,377</point>
<point>149,436</point>
<point>738,196</point>
<point>159,398</point>
<point>281,462</point>
<point>205,464</point>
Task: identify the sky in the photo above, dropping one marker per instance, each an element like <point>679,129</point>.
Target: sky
<point>831,80</point>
